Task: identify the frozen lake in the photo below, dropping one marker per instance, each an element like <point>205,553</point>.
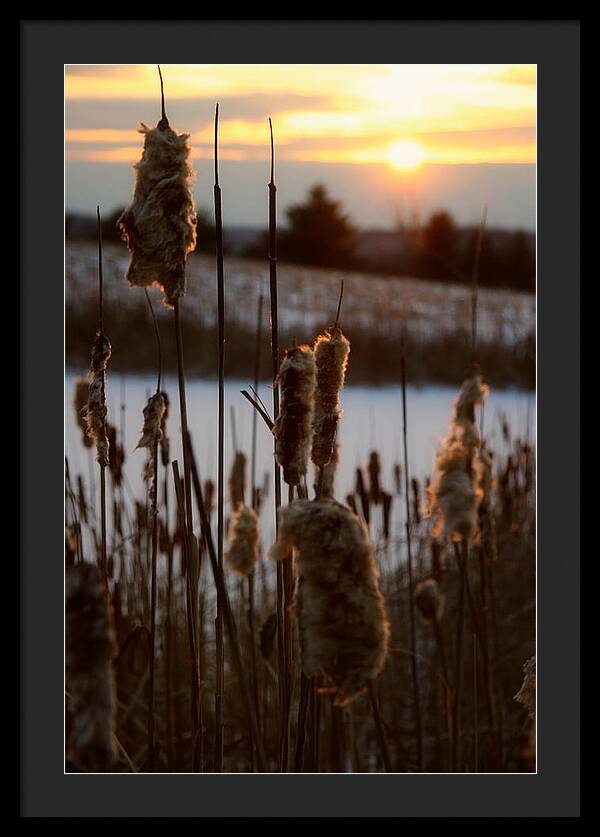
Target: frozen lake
<point>372,420</point>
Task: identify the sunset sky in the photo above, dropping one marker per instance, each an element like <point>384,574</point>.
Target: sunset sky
<point>390,141</point>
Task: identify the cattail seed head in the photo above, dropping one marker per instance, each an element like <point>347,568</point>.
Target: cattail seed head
<point>153,415</point>
<point>151,436</point>
<point>331,357</point>
<point>90,648</point>
<point>80,400</point>
<point>454,496</point>
<point>96,411</point>
<point>455,491</point>
<point>339,608</point>
<point>237,480</point>
<point>243,541</point>
<point>116,455</point>
<point>159,226</point>
<point>292,429</point>
<point>526,694</point>
<point>429,600</point>
<point>374,469</point>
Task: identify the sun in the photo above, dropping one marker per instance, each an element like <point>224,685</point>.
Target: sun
<point>405,154</point>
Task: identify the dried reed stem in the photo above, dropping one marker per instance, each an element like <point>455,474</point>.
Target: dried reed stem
<point>220,648</point>
<point>229,620</point>
<point>275,372</point>
<point>411,590</point>
<point>103,556</point>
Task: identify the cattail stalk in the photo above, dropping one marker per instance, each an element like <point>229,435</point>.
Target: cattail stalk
<point>411,591</point>
<point>275,371</point>
<point>220,648</point>
<point>102,457</point>
<point>153,444</point>
<point>229,621</point>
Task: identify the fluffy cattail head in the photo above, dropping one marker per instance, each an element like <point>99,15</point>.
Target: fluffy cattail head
<point>331,357</point>
<point>526,694</point>
<point>243,541</point>
<point>340,611</point>
<point>454,494</point>
<point>80,399</point>
<point>237,480</point>
<point>292,429</point>
<point>153,415</point>
<point>160,224</point>
<point>90,648</point>
<point>455,491</point>
<point>95,411</point>
<point>429,600</point>
<point>472,393</point>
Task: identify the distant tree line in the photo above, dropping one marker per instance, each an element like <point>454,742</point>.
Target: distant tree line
<point>319,233</point>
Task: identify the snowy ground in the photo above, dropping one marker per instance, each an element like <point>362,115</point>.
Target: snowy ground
<point>308,296</point>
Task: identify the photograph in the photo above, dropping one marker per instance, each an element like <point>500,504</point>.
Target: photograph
<point>300,418</point>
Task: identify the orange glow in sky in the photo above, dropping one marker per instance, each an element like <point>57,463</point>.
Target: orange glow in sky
<point>400,115</point>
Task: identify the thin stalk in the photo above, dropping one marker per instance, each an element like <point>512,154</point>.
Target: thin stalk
<point>302,717</point>
<point>254,501</point>
<point>152,661</point>
<point>220,649</point>
<point>458,678</point>
<point>219,579</point>
<point>411,591</point>
<point>275,371</point>
<point>154,512</point>
<point>474,284</point>
<point>288,582</point>
<point>475,708</point>
<point>103,557</point>
<point>439,641</point>
<point>383,748</point>
<point>195,686</point>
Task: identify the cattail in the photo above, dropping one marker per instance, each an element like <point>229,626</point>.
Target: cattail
<point>165,446</point>
<point>455,492</point>
<point>326,474</point>
<point>374,470</point>
<point>351,503</point>
<point>151,436</point>
<point>209,497</point>
<point>116,455</point>
<point>398,478</point>
<point>95,411</point>
<point>292,428</point>
<point>237,480</point>
<point>243,541</point>
<point>387,499</point>
<point>429,600</point>
<point>526,694</point>
<point>331,358</point>
<point>160,224</point>
<point>416,500</point>
<point>90,648</point>
<point>340,611</point>
<point>80,400</point>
